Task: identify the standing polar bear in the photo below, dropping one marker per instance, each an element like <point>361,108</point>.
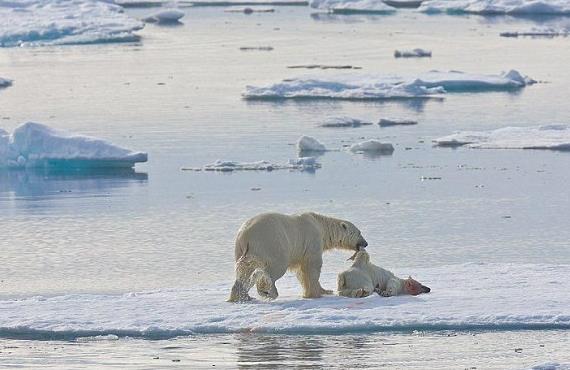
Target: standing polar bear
<point>269,244</point>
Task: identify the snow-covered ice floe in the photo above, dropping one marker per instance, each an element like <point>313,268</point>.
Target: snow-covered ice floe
<point>415,53</point>
<point>553,137</point>
<point>353,6</point>
<point>533,299</point>
<point>165,16</point>
<point>301,164</point>
<point>385,122</point>
<point>369,86</point>
<point>372,146</point>
<point>57,22</point>
<point>4,82</point>
<point>36,145</point>
<point>343,122</point>
<point>308,144</point>
<point>514,7</point>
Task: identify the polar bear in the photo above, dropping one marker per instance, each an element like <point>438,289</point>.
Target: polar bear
<point>363,278</point>
<point>269,244</point>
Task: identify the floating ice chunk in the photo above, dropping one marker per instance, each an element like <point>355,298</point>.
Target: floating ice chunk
<point>302,164</point>
<point>537,32</point>
<point>51,22</point>
<point>344,121</point>
<point>416,53</point>
<point>368,86</point>
<point>384,122</point>
<point>310,144</point>
<point>553,137</point>
<point>372,146</point>
<point>36,145</point>
<point>4,82</point>
<point>166,16</point>
<point>352,6</point>
<point>522,7</point>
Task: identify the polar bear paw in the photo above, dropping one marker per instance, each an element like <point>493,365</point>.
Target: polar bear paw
<point>361,293</point>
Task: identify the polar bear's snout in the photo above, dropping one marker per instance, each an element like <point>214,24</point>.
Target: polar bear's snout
<point>361,244</point>
<point>425,289</point>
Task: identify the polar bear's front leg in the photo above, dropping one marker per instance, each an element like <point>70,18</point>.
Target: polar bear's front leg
<point>308,276</point>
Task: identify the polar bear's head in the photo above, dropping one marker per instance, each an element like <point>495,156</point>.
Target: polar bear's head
<point>360,258</point>
<point>349,237</point>
<point>414,287</point>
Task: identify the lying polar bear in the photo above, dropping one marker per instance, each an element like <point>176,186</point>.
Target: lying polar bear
<point>363,278</point>
<point>269,244</point>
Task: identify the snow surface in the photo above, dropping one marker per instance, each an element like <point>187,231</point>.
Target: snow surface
<point>165,16</point>
<point>37,145</point>
<point>415,53</point>
<point>344,121</point>
<point>553,137</point>
<point>352,6</point>
<point>368,86</point>
<point>310,144</point>
<point>521,7</point>
<point>466,297</point>
<point>57,22</point>
<point>302,164</point>
<point>385,122</point>
<point>372,146</point>
<point>4,82</point>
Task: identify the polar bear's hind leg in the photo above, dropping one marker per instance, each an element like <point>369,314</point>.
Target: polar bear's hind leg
<point>244,281</point>
<point>265,285</point>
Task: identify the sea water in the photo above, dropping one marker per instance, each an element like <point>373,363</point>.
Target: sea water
<point>131,268</point>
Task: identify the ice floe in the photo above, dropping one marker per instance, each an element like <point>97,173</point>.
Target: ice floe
<point>309,144</point>
<point>385,122</point>
<point>369,86</point>
<point>353,6</point>
<point>57,22</point>
<point>537,32</point>
<point>344,121</point>
<point>553,137</point>
<point>372,146</point>
<point>166,16</point>
<point>415,53</point>
<point>301,164</point>
<point>37,145</point>
<point>515,7</point>
<point>533,299</point>
<point>4,82</point>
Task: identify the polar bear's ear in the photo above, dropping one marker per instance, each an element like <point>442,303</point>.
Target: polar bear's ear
<point>344,225</point>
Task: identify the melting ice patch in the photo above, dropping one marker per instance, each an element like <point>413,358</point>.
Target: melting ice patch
<point>368,86</point>
<point>36,145</point>
<point>352,6</point>
<point>57,22</point>
<point>301,164</point>
<point>520,7</point>
<point>553,137</point>
<point>343,122</point>
<point>465,297</point>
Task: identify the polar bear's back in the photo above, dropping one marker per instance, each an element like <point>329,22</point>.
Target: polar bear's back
<point>354,278</point>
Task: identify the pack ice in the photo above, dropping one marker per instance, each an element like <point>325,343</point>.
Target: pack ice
<point>57,22</point>
<point>37,145</point>
<point>352,6</point>
<point>523,7</point>
<point>374,86</point>
<point>553,137</point>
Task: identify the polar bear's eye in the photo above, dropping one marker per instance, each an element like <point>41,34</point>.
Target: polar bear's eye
<point>343,226</point>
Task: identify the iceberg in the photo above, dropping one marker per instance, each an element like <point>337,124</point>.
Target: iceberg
<point>166,16</point>
<point>60,22</point>
<point>310,144</point>
<point>344,121</point>
<point>552,137</point>
<point>37,145</point>
<point>415,53</point>
<point>367,86</point>
<point>301,164</point>
<point>372,146</point>
<point>490,7</point>
<point>353,6</point>
<point>4,82</point>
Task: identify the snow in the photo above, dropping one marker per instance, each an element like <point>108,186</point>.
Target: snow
<point>466,297</point>
<point>352,6</point>
<point>374,86</point>
<point>4,82</point>
<point>37,145</point>
<point>520,7</point>
<point>301,164</point>
<point>372,146</point>
<point>385,122</point>
<point>309,144</point>
<point>344,121</point>
<point>57,22</point>
<point>165,16</point>
<point>553,137</point>
<point>415,53</point>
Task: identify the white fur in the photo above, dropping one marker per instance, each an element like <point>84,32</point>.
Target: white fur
<point>364,277</point>
<point>271,243</point>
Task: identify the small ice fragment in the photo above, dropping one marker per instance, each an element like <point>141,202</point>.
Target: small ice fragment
<point>384,122</point>
<point>372,146</point>
<point>416,53</point>
<point>166,16</point>
<point>309,144</point>
<point>344,121</point>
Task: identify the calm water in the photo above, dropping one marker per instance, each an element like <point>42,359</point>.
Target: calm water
<point>177,96</point>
